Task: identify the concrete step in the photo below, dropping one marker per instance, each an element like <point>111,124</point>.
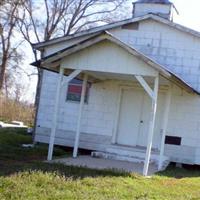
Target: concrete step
<point>127,152</point>
<point>132,148</point>
<point>134,152</point>
<point>114,156</point>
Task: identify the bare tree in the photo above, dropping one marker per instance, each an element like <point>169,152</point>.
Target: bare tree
<point>2,2</point>
<point>52,18</point>
<point>9,11</point>
<point>62,17</point>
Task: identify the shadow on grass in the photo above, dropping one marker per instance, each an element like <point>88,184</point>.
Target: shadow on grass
<point>83,172</point>
<point>14,159</point>
<point>187,171</point>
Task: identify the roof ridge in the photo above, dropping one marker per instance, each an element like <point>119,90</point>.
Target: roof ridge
<point>117,24</point>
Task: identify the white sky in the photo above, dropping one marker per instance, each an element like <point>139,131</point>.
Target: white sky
<point>189,15</point>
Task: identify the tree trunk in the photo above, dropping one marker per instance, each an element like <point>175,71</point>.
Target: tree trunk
<point>38,87</point>
<point>2,72</point>
<point>37,100</point>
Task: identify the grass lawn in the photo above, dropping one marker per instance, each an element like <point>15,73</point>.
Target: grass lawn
<point>24,176</point>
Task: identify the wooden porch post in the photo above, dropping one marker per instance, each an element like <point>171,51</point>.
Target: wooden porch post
<point>84,87</point>
<point>56,109</point>
<point>55,116</point>
<point>151,126</point>
<point>165,123</point>
<point>154,96</point>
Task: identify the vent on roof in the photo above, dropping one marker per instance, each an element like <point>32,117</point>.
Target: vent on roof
<point>163,8</point>
<point>131,26</point>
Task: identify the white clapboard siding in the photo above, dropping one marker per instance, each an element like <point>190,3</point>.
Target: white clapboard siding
<point>99,116</point>
<point>67,138</point>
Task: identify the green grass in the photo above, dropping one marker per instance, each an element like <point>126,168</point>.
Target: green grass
<point>12,154</point>
<point>23,176</point>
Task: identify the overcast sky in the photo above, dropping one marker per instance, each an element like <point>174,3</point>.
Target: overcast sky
<point>189,15</point>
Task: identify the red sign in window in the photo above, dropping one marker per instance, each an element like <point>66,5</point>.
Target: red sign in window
<point>75,89</point>
<point>74,92</point>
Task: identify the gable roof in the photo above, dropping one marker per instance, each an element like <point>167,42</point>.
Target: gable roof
<point>96,39</point>
<point>157,18</point>
<point>55,57</point>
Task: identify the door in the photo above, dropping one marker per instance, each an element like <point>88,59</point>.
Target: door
<point>134,116</point>
<point>129,117</point>
<point>145,117</point>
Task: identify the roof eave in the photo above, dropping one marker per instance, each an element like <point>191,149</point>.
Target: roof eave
<point>97,38</point>
<point>42,45</point>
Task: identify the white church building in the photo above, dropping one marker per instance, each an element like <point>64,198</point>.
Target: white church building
<point>129,90</point>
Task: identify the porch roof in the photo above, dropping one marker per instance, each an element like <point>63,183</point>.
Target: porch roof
<point>56,58</point>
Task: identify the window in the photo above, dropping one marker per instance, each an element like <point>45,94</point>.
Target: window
<point>74,91</point>
<point>173,140</point>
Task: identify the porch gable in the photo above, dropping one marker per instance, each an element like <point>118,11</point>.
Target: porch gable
<point>106,56</point>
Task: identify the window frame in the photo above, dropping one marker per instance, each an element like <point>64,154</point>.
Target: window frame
<point>81,85</point>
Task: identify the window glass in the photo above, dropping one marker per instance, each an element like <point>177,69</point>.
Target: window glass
<point>74,91</point>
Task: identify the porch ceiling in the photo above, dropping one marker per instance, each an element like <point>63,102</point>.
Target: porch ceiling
<point>163,81</point>
<point>95,76</point>
<point>103,76</point>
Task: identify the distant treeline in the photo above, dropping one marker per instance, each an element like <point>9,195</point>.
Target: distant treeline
<point>11,110</point>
